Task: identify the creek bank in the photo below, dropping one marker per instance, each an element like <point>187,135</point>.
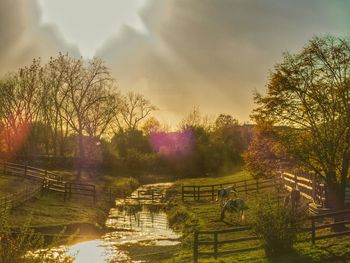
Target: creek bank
<point>138,229</point>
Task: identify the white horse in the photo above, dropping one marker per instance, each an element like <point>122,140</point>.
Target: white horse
<point>225,193</point>
<point>236,205</point>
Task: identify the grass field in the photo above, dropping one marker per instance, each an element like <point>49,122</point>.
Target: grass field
<point>11,184</point>
<point>188,216</point>
<point>50,213</point>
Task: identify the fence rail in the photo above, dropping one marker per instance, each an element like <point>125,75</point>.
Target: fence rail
<point>49,180</point>
<point>340,218</point>
<point>209,192</point>
<point>308,184</point>
<point>217,238</point>
<point>10,201</point>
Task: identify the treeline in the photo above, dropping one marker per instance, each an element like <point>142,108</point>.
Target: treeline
<point>198,147</point>
<point>70,113</point>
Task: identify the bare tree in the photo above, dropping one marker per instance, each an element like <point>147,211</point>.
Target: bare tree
<point>88,91</point>
<point>134,109</point>
<point>20,99</point>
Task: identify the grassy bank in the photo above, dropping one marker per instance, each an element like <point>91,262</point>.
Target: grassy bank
<point>11,184</point>
<point>50,213</point>
<point>189,216</point>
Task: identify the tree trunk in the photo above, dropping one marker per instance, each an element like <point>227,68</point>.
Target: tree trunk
<point>335,197</point>
<point>335,201</point>
<point>80,155</point>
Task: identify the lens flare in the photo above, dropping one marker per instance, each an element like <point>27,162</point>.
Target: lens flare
<point>13,134</point>
<point>172,144</point>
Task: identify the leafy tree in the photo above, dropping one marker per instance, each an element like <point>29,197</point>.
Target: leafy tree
<point>308,102</point>
<point>151,125</point>
<point>265,157</point>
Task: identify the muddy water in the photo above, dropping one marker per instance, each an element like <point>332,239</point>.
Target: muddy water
<point>138,220</point>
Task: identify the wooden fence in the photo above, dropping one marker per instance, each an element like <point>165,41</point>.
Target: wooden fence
<point>10,201</point>
<point>209,192</point>
<point>308,184</point>
<point>347,195</point>
<point>49,181</point>
<point>321,228</point>
<point>217,238</point>
<point>339,218</point>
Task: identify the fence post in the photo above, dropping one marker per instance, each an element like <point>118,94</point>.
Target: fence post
<point>198,193</point>
<point>314,188</point>
<point>182,192</point>
<point>313,231</point>
<point>215,245</point>
<point>70,190</point>
<point>194,193</point>
<point>212,192</point>
<point>195,247</point>
<point>65,191</point>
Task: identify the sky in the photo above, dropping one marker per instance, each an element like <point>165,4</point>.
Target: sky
<point>181,54</point>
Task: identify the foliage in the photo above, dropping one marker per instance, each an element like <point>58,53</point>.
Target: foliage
<point>64,108</point>
<point>184,221</point>
<point>265,157</point>
<point>276,224</point>
<point>308,103</point>
<point>16,244</point>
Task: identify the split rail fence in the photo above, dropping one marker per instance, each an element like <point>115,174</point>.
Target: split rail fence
<point>308,184</point>
<point>321,228</point>
<point>217,240</point>
<point>209,192</point>
<point>47,181</point>
<point>10,201</point>
<point>322,225</point>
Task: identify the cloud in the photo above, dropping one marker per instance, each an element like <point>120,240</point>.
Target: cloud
<point>205,53</point>
<point>23,38</point>
<point>212,54</point>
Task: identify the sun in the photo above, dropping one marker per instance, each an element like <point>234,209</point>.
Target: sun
<point>89,23</point>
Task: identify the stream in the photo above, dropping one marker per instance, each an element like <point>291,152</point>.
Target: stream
<point>135,220</point>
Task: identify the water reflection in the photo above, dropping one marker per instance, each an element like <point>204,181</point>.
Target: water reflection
<point>139,219</point>
<point>97,251</point>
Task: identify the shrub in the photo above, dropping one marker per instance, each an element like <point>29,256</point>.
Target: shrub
<point>16,245</point>
<point>277,225</point>
<point>184,221</point>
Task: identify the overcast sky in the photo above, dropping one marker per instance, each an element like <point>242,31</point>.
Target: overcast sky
<point>179,53</point>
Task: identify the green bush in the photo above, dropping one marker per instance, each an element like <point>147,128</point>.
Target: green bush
<point>277,225</point>
<point>23,245</point>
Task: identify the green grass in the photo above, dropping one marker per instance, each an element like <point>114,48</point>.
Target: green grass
<point>11,184</point>
<point>189,216</point>
<point>50,210</point>
<point>240,175</point>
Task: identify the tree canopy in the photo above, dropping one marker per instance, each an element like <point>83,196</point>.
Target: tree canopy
<point>308,104</point>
